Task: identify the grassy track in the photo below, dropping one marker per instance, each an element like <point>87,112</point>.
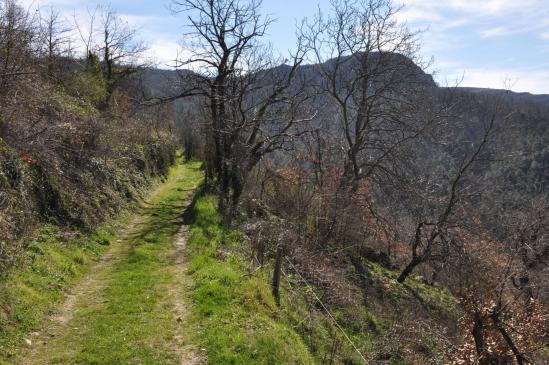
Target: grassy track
<point>126,311</point>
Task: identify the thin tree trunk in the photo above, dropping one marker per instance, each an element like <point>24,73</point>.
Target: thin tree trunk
<point>409,269</point>
<point>478,336</point>
<point>518,355</point>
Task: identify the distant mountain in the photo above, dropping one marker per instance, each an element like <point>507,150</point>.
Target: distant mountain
<point>515,96</point>
<point>526,128</point>
<point>168,82</point>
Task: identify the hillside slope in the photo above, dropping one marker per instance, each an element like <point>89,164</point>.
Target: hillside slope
<point>236,319</point>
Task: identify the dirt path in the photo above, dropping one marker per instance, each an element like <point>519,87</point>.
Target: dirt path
<point>131,308</point>
<point>187,354</point>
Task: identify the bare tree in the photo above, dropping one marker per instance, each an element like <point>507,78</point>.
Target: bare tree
<point>505,318</point>
<point>254,108</point>
<point>367,61</point>
<point>122,53</point>
<point>87,33</point>
<point>55,39</point>
<point>17,37</point>
<point>435,235</point>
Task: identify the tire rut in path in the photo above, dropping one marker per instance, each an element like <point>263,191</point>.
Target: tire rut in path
<point>88,287</point>
<point>188,354</point>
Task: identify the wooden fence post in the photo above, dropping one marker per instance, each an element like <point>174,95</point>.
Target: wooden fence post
<point>277,275</point>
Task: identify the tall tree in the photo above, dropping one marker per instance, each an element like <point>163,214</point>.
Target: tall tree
<point>122,52</point>
<point>254,108</point>
<point>55,42</point>
<point>368,63</point>
<point>17,37</point>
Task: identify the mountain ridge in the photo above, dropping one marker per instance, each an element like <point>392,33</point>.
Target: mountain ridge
<point>150,76</point>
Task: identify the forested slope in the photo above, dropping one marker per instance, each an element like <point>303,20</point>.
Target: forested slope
<point>74,148</point>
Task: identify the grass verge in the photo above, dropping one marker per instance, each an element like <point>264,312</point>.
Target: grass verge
<point>234,315</point>
<point>56,260</point>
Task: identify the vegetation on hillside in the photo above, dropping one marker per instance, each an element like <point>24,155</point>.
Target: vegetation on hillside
<point>70,152</point>
<point>232,295</point>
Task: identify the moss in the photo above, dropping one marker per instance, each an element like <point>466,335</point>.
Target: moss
<point>436,299</point>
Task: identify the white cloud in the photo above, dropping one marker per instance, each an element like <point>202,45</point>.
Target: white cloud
<point>34,4</point>
<point>141,20</point>
<point>478,8</point>
<point>535,81</point>
<point>516,16</point>
<point>163,52</point>
<point>453,23</point>
<point>492,7</point>
<point>494,32</point>
<point>408,14</point>
<point>523,26</point>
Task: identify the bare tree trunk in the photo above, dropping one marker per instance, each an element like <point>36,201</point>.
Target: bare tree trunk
<point>516,352</point>
<point>478,336</point>
<point>416,258</point>
<point>409,269</point>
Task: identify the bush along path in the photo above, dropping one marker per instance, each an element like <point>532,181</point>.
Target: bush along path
<point>131,307</point>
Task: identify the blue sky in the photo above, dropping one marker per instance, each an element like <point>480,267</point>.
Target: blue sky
<point>484,43</point>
